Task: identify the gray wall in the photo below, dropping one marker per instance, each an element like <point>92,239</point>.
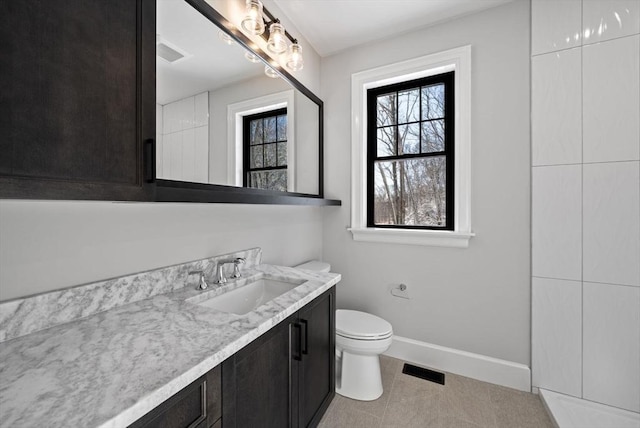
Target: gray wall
<point>51,245</point>
<point>475,299</point>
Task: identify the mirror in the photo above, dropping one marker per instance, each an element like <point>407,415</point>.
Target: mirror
<point>220,119</point>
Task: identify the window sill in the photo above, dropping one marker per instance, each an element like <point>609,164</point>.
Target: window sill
<point>434,238</point>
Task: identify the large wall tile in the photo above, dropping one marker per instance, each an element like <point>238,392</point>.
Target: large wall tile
<point>202,109</point>
<point>611,230</point>
<point>557,335</point>
<point>609,19</point>
<point>556,25</point>
<point>557,108</point>
<point>557,221</point>
<point>612,345</point>
<point>202,155</point>
<point>611,100</point>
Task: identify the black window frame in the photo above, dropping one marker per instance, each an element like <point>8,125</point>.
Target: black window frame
<point>448,79</point>
<point>246,145</point>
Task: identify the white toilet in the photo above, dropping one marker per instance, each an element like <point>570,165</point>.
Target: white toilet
<point>360,339</point>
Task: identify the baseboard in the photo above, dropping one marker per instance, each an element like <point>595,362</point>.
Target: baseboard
<point>476,366</point>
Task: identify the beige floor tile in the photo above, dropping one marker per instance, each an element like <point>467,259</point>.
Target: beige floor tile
<point>341,415</point>
<point>467,399</point>
<point>518,409</point>
<point>410,402</point>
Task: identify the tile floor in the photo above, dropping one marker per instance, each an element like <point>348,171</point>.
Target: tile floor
<point>410,402</point>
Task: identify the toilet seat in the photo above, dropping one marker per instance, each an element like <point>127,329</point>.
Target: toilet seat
<point>361,326</point>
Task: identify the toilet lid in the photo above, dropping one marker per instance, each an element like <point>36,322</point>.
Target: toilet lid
<point>361,325</point>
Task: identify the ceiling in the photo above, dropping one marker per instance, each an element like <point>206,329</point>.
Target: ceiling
<point>331,26</point>
<point>208,64</point>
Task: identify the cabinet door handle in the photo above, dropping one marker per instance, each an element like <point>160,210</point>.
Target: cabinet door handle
<point>298,355</point>
<point>305,343</point>
<point>149,160</point>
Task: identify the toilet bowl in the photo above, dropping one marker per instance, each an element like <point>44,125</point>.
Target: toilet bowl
<point>360,339</point>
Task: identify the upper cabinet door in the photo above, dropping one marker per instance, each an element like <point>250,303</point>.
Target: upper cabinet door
<point>77,105</point>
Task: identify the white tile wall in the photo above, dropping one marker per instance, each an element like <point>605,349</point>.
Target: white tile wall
<point>605,20</point>
<point>557,108</point>
<point>201,109</point>
<point>557,24</point>
<point>557,335</point>
<point>557,222</point>
<point>608,136</point>
<point>185,128</point>
<point>611,108</point>
<point>612,345</point>
<point>612,223</point>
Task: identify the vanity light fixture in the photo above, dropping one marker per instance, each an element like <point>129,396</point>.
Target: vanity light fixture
<point>253,22</point>
<point>251,57</point>
<point>279,42</point>
<point>294,57</point>
<point>226,39</point>
<point>270,72</point>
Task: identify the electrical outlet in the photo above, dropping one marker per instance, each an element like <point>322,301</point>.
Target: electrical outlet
<point>401,291</point>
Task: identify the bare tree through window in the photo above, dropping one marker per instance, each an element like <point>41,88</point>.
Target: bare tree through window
<point>410,143</point>
<point>265,150</point>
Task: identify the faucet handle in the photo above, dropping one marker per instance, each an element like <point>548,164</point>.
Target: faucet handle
<point>236,267</point>
<point>202,283</point>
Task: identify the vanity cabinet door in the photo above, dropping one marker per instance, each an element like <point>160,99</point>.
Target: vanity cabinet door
<point>317,366</point>
<point>259,382</point>
<point>199,405</point>
<point>77,111</point>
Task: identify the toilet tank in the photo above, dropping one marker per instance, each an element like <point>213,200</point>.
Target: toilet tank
<point>315,265</point>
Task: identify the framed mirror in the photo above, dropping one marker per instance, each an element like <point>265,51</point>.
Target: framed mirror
<point>230,126</point>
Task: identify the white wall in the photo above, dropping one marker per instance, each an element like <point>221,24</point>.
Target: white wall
<point>586,199</point>
<point>47,245</point>
<point>475,299</point>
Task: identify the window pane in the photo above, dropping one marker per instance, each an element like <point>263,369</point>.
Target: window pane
<point>409,106</point>
<point>282,154</point>
<point>410,192</point>
<point>270,180</point>
<point>433,136</point>
<point>387,141</point>
<point>386,110</point>
<point>282,128</point>
<point>409,139</point>
<point>255,160</point>
<point>255,132</point>
<point>269,129</point>
<point>270,155</point>
<point>433,102</point>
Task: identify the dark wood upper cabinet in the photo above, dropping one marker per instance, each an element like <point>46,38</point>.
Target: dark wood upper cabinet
<point>78,99</point>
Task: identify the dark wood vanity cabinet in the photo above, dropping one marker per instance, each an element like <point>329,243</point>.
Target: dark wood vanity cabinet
<point>77,110</point>
<point>199,405</point>
<point>285,378</point>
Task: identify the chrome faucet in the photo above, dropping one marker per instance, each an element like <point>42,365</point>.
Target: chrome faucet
<point>202,283</point>
<point>220,277</point>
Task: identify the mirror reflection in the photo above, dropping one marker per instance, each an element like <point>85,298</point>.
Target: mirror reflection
<point>220,118</point>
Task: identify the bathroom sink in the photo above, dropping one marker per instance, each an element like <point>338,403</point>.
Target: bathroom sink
<point>245,299</point>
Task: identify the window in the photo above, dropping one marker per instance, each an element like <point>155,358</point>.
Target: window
<point>265,150</point>
<point>424,142</point>
<point>410,154</point>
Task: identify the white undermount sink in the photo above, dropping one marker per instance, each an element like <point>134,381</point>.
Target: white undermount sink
<point>245,299</point>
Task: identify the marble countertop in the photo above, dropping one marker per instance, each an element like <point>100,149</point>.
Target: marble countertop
<point>111,368</point>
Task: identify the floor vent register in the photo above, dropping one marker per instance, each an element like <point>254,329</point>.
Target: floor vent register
<point>422,373</point>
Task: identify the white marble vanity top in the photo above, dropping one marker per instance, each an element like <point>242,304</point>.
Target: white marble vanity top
<point>111,368</point>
